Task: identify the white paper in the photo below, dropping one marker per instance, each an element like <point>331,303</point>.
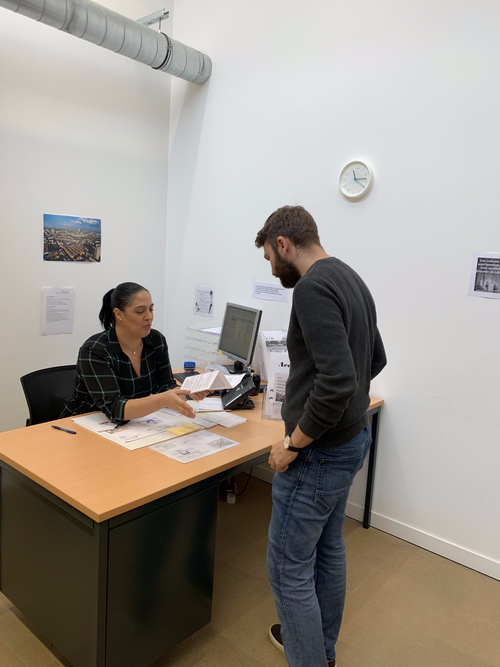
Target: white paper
<point>485,275</point>
<point>214,330</point>
<point>57,310</point>
<point>169,411</point>
<point>204,421</point>
<point>269,291</point>
<point>213,381</point>
<point>210,404</point>
<point>203,301</point>
<point>226,419</point>
<point>194,446</point>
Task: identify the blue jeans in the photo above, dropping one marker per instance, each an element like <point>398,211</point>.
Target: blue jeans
<point>306,553</point>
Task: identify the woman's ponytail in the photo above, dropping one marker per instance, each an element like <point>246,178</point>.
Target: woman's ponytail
<point>106,315</point>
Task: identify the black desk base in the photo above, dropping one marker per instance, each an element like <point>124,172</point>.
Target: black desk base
<point>120,593</point>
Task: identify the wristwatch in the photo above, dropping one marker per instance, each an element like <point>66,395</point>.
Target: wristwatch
<point>287,443</point>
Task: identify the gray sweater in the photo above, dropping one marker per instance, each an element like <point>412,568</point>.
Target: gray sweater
<point>335,350</point>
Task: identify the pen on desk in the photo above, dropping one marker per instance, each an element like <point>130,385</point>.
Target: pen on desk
<point>59,428</point>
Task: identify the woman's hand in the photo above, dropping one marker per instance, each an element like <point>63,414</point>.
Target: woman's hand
<point>175,400</point>
<point>199,395</point>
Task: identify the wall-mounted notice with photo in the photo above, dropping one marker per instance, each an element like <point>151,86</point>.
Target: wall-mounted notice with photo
<point>203,301</point>
<point>69,238</point>
<point>485,275</point>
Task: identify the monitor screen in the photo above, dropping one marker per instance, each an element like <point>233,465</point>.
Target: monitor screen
<point>239,333</point>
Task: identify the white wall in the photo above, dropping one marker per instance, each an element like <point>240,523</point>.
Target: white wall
<point>83,132</point>
<point>296,92</point>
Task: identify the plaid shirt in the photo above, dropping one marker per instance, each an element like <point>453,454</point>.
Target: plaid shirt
<point>106,378</point>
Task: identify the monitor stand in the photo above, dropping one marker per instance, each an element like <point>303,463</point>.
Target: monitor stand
<point>247,404</point>
<point>237,368</point>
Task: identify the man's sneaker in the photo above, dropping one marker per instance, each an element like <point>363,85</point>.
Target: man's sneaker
<point>275,637</point>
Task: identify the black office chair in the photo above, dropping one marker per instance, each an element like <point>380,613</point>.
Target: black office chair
<point>47,391</point>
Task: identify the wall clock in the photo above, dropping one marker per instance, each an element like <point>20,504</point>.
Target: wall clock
<point>356,179</point>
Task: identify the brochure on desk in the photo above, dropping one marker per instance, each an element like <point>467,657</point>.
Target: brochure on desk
<point>136,433</point>
<point>195,446</point>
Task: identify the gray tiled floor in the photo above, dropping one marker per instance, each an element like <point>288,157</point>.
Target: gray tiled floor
<point>405,607</point>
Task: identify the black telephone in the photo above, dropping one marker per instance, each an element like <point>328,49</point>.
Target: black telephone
<point>237,398</point>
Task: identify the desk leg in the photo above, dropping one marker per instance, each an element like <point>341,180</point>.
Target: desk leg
<point>371,470</point>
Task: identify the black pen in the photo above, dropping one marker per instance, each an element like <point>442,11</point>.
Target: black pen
<point>64,429</point>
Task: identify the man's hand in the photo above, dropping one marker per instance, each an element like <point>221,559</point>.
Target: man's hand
<point>280,458</point>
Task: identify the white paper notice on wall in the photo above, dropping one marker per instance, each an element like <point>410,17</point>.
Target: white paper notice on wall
<point>485,275</point>
<point>269,291</point>
<point>203,301</point>
<point>57,310</point>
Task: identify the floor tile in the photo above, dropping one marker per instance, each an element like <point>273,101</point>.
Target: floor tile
<point>208,648</point>
<point>444,600</point>
<point>371,638</point>
<point>7,658</point>
<point>235,593</point>
<point>22,642</point>
<point>250,632</point>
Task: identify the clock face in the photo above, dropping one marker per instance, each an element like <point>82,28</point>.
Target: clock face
<point>356,179</point>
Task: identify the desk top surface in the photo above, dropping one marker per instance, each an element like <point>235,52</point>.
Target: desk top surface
<point>103,479</point>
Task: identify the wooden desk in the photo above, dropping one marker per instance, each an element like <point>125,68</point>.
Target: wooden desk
<point>111,552</point>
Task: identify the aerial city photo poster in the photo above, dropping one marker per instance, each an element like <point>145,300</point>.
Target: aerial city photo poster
<point>69,238</point>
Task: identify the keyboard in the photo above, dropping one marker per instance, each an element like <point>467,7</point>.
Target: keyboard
<point>180,377</point>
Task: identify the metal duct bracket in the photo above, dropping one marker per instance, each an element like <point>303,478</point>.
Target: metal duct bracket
<point>155,17</point>
<point>106,28</point>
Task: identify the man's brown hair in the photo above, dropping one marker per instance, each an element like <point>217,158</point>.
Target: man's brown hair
<point>294,222</point>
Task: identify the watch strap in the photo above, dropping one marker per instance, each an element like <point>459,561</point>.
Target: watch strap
<point>287,444</point>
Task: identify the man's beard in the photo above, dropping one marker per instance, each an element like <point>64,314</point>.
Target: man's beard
<point>286,272</point>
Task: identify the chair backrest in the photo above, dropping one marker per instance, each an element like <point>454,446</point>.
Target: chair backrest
<point>47,391</point>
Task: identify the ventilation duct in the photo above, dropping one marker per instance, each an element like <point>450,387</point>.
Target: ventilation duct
<point>104,27</point>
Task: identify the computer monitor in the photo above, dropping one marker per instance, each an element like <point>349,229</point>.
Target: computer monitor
<point>238,335</point>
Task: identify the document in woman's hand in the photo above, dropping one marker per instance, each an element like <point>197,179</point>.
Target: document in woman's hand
<point>213,381</point>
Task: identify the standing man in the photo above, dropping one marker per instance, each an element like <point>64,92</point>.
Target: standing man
<point>335,350</point>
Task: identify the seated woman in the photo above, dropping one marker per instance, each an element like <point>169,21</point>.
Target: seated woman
<point>125,370</point>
